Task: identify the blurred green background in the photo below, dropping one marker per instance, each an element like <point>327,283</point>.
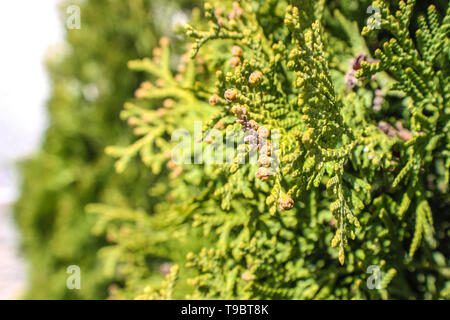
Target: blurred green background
<point>89,84</point>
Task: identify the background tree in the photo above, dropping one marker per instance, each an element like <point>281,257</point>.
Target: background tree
<point>90,83</point>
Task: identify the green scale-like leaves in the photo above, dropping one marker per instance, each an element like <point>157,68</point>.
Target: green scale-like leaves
<point>363,160</point>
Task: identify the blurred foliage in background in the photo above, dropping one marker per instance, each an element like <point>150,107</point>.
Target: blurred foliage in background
<point>90,82</point>
<point>157,229</point>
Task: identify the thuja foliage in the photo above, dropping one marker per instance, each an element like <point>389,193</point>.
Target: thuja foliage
<point>89,82</point>
<point>362,124</point>
<point>163,103</point>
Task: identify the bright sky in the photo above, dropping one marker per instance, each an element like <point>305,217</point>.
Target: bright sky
<point>27,29</point>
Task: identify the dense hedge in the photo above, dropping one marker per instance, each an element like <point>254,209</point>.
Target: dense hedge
<point>342,164</point>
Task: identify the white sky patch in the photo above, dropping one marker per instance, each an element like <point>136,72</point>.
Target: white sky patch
<point>27,29</point>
